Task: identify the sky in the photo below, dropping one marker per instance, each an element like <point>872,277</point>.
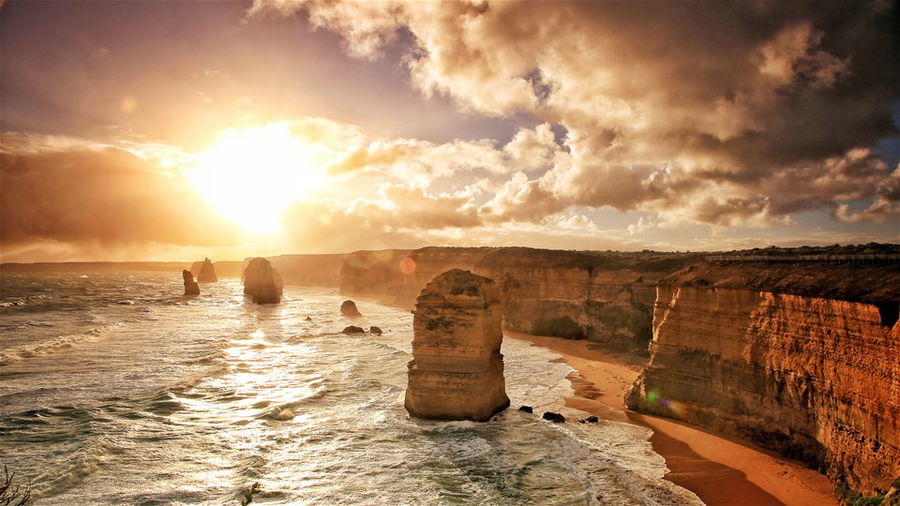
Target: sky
<point>164,130</point>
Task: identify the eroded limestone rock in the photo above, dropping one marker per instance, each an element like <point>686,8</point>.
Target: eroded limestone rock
<point>207,272</point>
<point>457,369</point>
<point>348,308</point>
<point>262,283</point>
<point>190,286</point>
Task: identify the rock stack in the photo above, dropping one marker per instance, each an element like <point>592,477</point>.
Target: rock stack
<point>262,283</point>
<point>190,286</point>
<point>207,272</point>
<point>348,308</point>
<point>457,369</point>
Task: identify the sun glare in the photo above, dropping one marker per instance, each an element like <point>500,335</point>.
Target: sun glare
<point>251,176</point>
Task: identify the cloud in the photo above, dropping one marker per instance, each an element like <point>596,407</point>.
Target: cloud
<point>724,113</point>
<point>60,190</point>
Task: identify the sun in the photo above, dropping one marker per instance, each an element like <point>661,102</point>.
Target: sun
<point>250,176</point>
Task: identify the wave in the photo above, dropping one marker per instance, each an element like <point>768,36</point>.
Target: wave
<point>55,345</point>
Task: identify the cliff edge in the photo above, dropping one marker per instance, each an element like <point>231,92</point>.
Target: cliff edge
<point>799,357</point>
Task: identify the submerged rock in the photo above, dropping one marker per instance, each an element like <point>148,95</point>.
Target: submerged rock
<point>553,417</point>
<point>207,272</point>
<point>348,308</point>
<point>457,369</point>
<point>190,286</point>
<point>590,419</point>
<point>262,283</point>
<point>527,409</point>
<point>353,329</point>
<point>375,330</point>
<point>308,319</point>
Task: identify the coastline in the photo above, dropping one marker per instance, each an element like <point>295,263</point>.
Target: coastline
<point>721,471</point>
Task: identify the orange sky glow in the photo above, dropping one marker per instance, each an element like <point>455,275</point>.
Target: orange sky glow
<point>176,130</point>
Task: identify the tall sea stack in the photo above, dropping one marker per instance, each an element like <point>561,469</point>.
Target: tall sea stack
<point>262,283</point>
<point>207,272</point>
<point>190,286</point>
<point>457,369</point>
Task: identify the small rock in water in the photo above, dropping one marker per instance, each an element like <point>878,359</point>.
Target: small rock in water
<point>527,409</point>
<point>353,329</point>
<point>590,419</point>
<point>375,330</point>
<point>554,417</point>
<point>308,319</point>
<point>284,414</point>
<point>348,308</point>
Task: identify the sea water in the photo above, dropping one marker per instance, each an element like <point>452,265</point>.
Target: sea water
<point>115,389</point>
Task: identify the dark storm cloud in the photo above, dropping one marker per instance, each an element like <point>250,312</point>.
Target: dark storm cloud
<point>721,112</point>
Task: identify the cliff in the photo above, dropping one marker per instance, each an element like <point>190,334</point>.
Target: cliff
<point>309,270</point>
<point>457,369</point>
<point>376,274</point>
<point>397,276</point>
<point>605,297</point>
<point>801,358</point>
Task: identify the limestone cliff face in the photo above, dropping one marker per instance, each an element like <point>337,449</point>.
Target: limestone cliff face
<point>751,350</point>
<point>606,297</point>
<point>601,296</point>
<point>397,276</point>
<point>376,274</point>
<point>309,270</point>
<point>262,283</point>
<point>457,369</point>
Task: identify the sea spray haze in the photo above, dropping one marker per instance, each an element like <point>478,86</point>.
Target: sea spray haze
<point>116,389</point>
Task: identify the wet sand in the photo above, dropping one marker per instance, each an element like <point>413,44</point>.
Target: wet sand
<point>721,471</point>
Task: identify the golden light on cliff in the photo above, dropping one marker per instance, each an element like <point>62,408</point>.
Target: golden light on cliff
<point>251,176</point>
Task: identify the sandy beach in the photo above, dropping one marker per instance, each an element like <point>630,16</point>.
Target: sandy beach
<point>721,471</point>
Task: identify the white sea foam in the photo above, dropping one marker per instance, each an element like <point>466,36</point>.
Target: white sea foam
<point>205,398</point>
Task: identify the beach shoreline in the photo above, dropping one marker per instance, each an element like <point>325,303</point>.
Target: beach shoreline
<point>719,470</point>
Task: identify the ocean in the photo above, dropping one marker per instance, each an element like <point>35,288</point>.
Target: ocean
<point>115,389</point>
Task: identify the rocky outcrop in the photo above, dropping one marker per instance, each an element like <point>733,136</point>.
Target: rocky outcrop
<point>348,308</point>
<point>262,283</point>
<point>190,286</point>
<point>353,329</point>
<point>605,297</point>
<point>457,369</point>
<point>207,272</point>
<point>800,358</point>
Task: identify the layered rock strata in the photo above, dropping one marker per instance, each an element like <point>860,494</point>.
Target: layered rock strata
<point>605,297</point>
<point>799,358</point>
<point>457,369</point>
<point>262,283</point>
